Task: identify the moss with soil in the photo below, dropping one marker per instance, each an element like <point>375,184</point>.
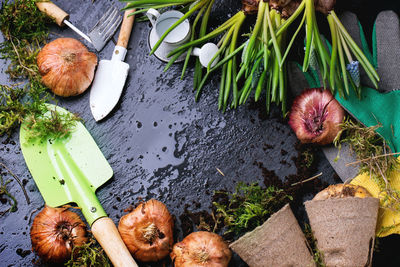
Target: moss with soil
<point>374,157</point>
<point>89,254</point>
<point>250,206</point>
<point>26,30</point>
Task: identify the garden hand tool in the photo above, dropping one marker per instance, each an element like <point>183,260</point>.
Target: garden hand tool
<point>374,107</point>
<point>110,76</point>
<point>101,32</point>
<point>69,170</point>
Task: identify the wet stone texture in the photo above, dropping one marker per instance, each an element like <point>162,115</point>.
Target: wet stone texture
<point>159,142</point>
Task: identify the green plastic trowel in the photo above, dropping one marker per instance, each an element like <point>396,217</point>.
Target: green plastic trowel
<point>70,170</point>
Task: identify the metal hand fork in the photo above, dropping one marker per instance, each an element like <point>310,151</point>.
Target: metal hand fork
<point>101,32</point>
<point>105,28</point>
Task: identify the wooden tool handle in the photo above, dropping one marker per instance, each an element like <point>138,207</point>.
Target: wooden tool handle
<point>53,11</point>
<point>106,233</point>
<point>126,29</point>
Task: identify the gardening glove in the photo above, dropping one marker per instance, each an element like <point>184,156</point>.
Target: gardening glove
<point>374,106</point>
<point>380,107</point>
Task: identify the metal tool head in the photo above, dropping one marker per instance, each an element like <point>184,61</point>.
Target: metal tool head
<point>67,170</point>
<point>105,28</point>
<point>107,87</point>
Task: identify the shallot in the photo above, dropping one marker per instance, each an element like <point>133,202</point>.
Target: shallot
<point>148,231</point>
<point>201,249</point>
<point>55,232</point>
<point>66,66</point>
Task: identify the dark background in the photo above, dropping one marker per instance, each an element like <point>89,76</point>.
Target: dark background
<point>163,145</point>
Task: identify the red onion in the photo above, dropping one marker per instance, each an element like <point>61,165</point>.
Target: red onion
<point>316,116</point>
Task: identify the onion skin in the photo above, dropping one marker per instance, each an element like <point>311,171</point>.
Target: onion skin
<point>201,249</point>
<point>324,6</point>
<point>290,8</point>
<point>250,6</point>
<point>316,116</point>
<point>148,231</point>
<point>287,7</point>
<point>66,66</point>
<point>55,232</point>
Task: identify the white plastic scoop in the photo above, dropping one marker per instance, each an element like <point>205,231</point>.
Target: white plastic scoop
<point>206,54</point>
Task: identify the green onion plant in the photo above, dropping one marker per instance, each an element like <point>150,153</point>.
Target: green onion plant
<point>263,64</point>
<point>229,31</point>
<point>344,46</point>
<point>334,61</point>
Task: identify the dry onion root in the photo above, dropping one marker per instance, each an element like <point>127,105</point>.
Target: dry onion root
<point>148,231</point>
<point>201,249</point>
<point>66,66</point>
<point>315,116</point>
<point>55,232</point>
<point>250,6</point>
<point>342,191</point>
<point>324,6</point>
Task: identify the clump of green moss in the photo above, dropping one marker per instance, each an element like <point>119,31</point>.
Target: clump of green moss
<point>17,103</point>
<point>53,126</point>
<point>374,157</point>
<point>21,19</point>
<point>308,158</point>
<point>26,29</point>
<point>89,254</point>
<point>250,206</point>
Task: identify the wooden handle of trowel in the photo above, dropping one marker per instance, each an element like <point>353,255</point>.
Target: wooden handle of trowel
<point>53,11</point>
<point>126,29</point>
<point>106,233</point>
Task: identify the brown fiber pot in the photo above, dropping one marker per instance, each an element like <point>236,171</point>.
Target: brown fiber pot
<point>278,242</point>
<point>344,229</point>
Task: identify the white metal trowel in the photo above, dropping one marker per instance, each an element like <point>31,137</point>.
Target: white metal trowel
<point>111,74</point>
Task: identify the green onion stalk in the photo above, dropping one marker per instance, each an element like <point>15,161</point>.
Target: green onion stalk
<point>263,61</point>
<point>343,50</point>
<point>262,65</point>
<point>202,15</point>
<point>229,32</point>
<point>336,65</point>
<point>142,6</point>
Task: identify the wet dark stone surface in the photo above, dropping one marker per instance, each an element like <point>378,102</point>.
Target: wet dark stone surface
<point>159,142</point>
